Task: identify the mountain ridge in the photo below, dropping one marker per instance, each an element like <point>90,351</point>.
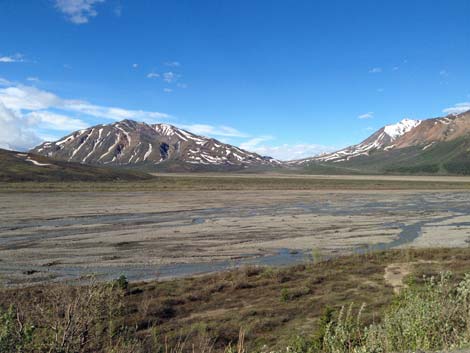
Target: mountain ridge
<point>131,143</point>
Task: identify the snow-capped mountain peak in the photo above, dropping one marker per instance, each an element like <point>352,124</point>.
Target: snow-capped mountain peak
<point>400,128</point>
<point>406,133</point>
<point>383,139</point>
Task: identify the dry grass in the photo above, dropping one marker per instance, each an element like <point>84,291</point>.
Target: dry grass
<point>228,182</point>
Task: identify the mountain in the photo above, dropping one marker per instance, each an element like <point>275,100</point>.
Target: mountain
<point>17,166</point>
<point>152,147</point>
<point>433,146</point>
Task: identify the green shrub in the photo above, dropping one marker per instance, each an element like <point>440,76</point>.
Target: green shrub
<point>122,283</point>
<point>15,335</point>
<point>433,316</point>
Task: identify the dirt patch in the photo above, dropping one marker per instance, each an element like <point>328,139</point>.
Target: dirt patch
<point>395,274</point>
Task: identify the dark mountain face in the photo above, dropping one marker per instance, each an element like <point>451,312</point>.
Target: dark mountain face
<point>130,143</point>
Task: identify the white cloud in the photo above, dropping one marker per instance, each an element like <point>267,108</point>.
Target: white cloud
<point>210,130</point>
<point>135,66</point>
<point>30,98</point>
<point>113,113</point>
<point>458,108</point>
<point>17,58</point>
<point>375,70</point>
<point>368,115</point>
<point>55,121</point>
<point>78,11</point>
<point>170,77</point>
<point>32,79</point>
<point>182,85</point>
<point>254,142</point>
<point>27,97</point>
<point>153,75</point>
<point>16,132</point>
<point>167,90</point>
<point>286,152</point>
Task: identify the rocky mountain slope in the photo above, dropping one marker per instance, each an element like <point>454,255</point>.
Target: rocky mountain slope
<point>438,145</point>
<point>131,143</point>
<point>18,166</point>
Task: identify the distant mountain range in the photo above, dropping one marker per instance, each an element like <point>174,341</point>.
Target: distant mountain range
<point>432,146</point>
<point>150,147</point>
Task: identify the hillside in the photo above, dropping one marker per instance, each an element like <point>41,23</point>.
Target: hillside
<point>16,166</point>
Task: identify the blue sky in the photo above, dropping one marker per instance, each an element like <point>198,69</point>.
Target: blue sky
<point>288,78</point>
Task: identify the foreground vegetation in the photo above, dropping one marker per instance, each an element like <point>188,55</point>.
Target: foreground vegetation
<point>341,305</point>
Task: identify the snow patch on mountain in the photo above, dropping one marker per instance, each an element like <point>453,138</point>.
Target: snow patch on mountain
<point>400,128</point>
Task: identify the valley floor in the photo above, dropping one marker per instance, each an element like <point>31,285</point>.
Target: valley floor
<point>185,225</point>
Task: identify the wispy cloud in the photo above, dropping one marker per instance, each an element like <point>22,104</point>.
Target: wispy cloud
<point>55,121</point>
<point>167,90</point>
<point>254,142</point>
<point>78,11</point>
<point>16,58</point>
<point>368,115</point>
<point>375,70</point>
<point>5,82</point>
<point>285,152</point>
<point>21,97</point>
<point>458,108</point>
<point>172,64</point>
<point>32,79</point>
<point>135,66</point>
<point>113,113</point>
<point>153,75</point>
<point>170,77</point>
<point>210,130</point>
